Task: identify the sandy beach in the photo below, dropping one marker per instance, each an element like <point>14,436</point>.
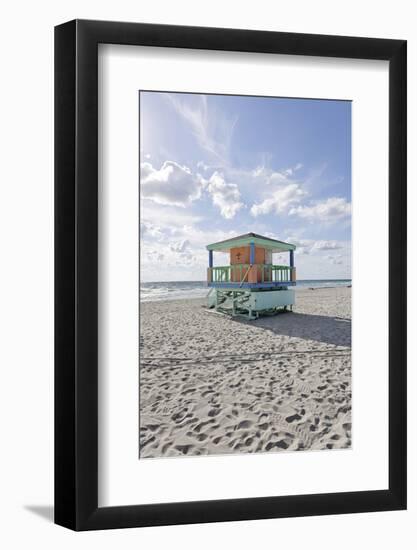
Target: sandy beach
<point>210,384</point>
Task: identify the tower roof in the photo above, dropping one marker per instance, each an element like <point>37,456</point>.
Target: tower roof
<point>247,238</point>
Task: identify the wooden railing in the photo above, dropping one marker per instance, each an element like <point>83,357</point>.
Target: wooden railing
<point>264,273</point>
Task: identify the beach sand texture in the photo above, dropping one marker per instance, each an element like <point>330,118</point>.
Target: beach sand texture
<point>210,384</point>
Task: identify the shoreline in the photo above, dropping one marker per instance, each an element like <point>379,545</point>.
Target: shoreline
<point>207,290</point>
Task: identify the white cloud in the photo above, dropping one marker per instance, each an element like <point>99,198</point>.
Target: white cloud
<point>203,165</point>
<point>180,246</point>
<point>271,177</point>
<point>307,246</point>
<point>279,201</point>
<point>172,184</point>
<point>182,251</point>
<point>335,260</point>
<point>146,169</point>
<point>278,178</point>
<point>168,218</point>
<point>225,196</point>
<point>259,171</point>
<point>290,171</point>
<point>332,210</point>
<point>308,243</point>
<point>153,256</point>
<point>212,129</point>
<point>151,230</point>
<point>186,259</point>
<point>327,245</point>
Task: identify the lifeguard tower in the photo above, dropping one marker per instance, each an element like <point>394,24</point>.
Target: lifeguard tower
<point>251,285</point>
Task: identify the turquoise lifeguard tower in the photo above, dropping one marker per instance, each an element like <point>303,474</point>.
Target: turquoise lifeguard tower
<point>251,285</point>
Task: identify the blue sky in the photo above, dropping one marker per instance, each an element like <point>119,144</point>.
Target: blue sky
<point>217,166</point>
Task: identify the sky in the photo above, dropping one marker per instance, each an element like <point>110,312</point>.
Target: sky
<point>217,166</point>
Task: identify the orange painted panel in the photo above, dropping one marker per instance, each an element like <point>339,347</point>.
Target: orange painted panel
<point>253,275</point>
<point>240,255</point>
<point>259,255</point>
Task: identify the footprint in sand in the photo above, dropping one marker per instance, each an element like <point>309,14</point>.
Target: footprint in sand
<point>293,418</point>
<point>184,449</point>
<point>244,424</point>
<point>282,444</point>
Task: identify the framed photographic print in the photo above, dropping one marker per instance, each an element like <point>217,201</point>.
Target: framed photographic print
<point>230,275</point>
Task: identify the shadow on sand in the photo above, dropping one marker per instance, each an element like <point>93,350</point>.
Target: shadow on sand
<point>335,331</point>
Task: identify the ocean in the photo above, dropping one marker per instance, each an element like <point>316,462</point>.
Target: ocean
<point>177,290</point>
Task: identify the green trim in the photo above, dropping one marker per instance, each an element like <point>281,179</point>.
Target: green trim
<point>269,244</point>
<point>269,273</point>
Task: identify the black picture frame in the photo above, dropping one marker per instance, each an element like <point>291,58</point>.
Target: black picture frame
<point>76,272</point>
